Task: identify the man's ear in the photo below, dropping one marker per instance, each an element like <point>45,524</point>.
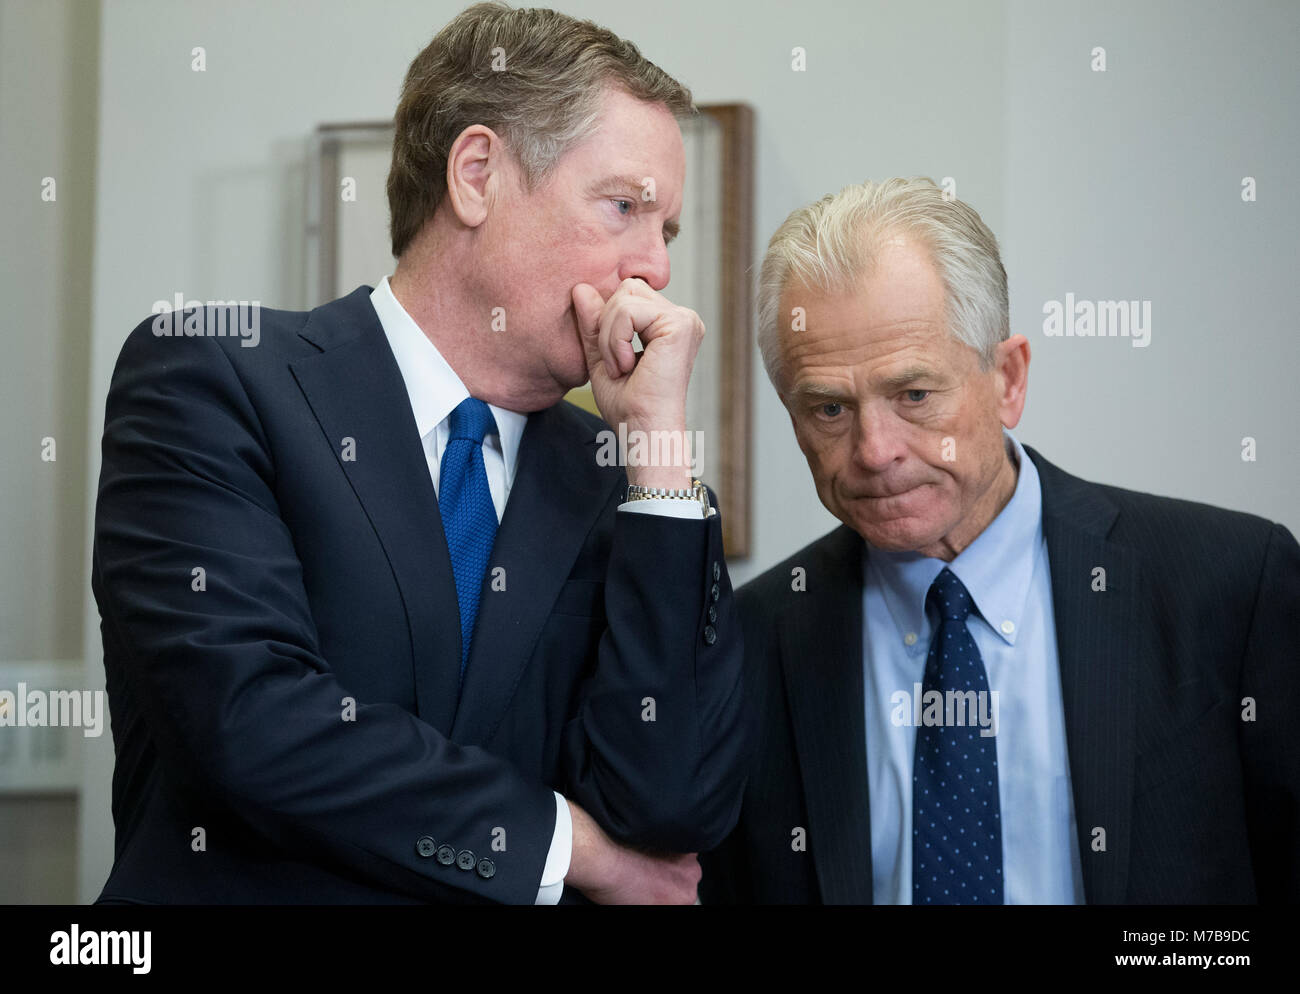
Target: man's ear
<point>1011,367</point>
<point>472,164</point>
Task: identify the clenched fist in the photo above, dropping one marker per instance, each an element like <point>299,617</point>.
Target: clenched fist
<point>645,392</point>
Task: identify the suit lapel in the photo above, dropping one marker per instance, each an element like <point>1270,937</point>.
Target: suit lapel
<point>821,657</point>
<point>356,391</point>
<point>558,494</point>
<point>1098,645</point>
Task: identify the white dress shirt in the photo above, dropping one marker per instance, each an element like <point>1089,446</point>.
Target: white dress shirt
<point>435,391</point>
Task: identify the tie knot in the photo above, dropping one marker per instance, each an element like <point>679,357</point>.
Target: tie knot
<point>472,420</point>
<point>950,597</point>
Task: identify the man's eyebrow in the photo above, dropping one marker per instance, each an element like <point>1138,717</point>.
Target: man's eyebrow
<point>820,391</point>
<point>887,385</point>
<point>623,180</point>
<point>899,381</point>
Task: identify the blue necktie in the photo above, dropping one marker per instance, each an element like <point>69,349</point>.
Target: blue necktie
<point>956,821</point>
<point>469,518</point>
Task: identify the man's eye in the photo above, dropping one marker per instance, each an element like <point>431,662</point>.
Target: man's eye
<point>916,396</point>
<point>831,410</point>
<point>625,206</point>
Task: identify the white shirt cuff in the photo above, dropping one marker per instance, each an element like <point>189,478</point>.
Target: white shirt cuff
<point>668,507</point>
<point>557,860</point>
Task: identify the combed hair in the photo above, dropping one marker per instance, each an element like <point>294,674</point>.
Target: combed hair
<point>830,245</point>
<point>544,100</point>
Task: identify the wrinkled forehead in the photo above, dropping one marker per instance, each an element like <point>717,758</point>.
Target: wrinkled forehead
<point>879,335</point>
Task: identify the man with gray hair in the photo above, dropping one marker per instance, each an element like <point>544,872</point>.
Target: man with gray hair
<point>994,683</point>
<point>379,625</point>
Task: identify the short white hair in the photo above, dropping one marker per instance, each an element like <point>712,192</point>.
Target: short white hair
<point>827,246</point>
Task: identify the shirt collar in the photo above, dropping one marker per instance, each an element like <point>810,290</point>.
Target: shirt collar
<point>996,567</point>
<point>432,385</point>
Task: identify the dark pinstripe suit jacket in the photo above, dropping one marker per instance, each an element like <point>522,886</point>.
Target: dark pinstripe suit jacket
<point>1201,610</point>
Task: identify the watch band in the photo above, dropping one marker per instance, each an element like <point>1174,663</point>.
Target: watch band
<point>697,492</point>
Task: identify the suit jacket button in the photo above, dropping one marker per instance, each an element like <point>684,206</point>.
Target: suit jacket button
<point>710,635</point>
<point>426,846</point>
<point>465,859</point>
<point>716,592</point>
<point>486,868</point>
<point>717,570</point>
<point>713,614</point>
<point>446,855</point>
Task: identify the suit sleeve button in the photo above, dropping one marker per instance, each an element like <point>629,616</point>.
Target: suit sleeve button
<point>717,570</point>
<point>713,614</point>
<point>710,635</point>
<point>716,592</point>
<point>426,846</point>
<point>486,868</point>
<point>465,859</point>
<point>446,855</point>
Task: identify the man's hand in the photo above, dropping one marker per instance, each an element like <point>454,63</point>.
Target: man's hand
<point>612,874</point>
<point>646,392</point>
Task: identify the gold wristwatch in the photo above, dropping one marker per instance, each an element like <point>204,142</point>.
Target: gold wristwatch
<point>697,492</point>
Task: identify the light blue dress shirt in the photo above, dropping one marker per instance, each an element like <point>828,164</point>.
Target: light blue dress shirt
<point>1006,571</point>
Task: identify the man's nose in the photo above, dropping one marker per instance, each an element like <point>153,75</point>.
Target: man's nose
<point>651,264</point>
<point>879,438</point>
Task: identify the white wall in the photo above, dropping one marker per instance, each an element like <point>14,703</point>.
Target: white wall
<point>1127,184</point>
<point>1122,183</point>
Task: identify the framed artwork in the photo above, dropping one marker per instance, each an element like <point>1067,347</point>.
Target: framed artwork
<point>348,245</point>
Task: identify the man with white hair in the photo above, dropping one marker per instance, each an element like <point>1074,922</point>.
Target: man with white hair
<point>994,683</point>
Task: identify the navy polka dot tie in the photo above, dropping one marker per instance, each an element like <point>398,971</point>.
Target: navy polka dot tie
<point>469,518</point>
<point>956,821</point>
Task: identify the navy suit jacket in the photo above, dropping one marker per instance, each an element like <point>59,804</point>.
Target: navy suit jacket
<point>288,722</point>
<point>1201,610</point>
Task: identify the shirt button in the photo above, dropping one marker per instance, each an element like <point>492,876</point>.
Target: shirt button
<point>909,638</point>
<point>1008,627</point>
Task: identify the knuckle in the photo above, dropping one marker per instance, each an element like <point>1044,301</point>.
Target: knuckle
<point>690,318</point>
